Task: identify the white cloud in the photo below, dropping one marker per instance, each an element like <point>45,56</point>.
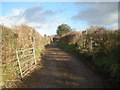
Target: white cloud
<point>100,13</point>
<point>17,12</point>
<point>48,28</point>
<point>114,26</point>
<point>11,21</point>
<point>45,22</point>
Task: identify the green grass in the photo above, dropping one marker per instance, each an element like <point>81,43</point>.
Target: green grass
<point>69,47</point>
<point>6,72</point>
<point>106,62</point>
<point>42,52</point>
<point>36,53</point>
<point>109,65</point>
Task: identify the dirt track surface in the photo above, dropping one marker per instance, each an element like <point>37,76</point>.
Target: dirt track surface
<point>61,70</point>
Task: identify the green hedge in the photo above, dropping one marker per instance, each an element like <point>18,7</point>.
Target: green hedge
<point>106,64</point>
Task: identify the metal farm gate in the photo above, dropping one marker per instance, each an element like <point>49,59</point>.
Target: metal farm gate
<point>26,60</point>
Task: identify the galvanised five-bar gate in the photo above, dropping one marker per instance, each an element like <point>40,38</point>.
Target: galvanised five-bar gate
<point>26,60</point>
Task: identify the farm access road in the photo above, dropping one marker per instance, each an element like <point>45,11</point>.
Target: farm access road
<point>62,70</point>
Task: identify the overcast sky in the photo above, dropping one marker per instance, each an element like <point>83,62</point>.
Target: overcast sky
<point>46,16</point>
